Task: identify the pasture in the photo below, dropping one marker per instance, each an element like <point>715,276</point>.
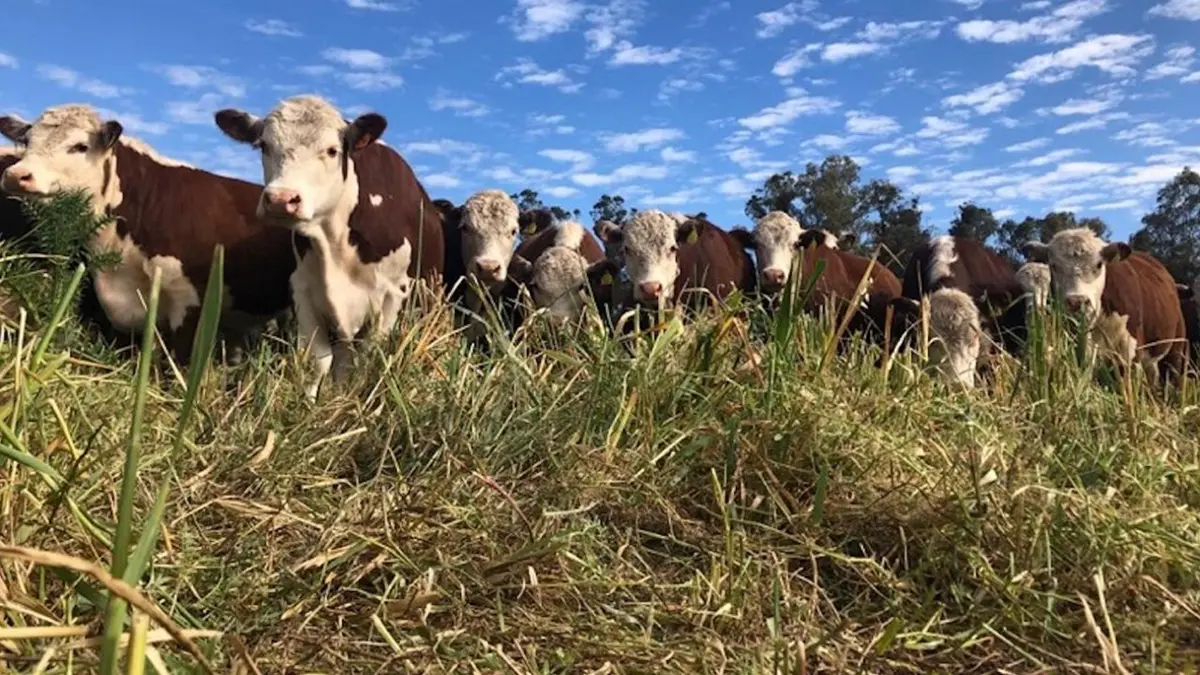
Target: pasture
<point>560,505</point>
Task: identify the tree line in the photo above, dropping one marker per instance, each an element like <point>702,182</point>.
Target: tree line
<point>832,195</point>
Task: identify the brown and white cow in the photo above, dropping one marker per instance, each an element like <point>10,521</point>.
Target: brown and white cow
<point>1128,297</point>
<point>168,217</point>
<point>535,221</point>
<point>368,228</point>
<point>13,222</point>
<point>955,329</point>
<point>666,258</point>
<point>1034,278</point>
<point>561,266</point>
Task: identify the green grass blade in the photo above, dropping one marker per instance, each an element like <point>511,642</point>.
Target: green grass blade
<point>60,309</point>
<point>114,615</point>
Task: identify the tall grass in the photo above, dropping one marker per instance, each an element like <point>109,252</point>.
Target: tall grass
<point>573,506</point>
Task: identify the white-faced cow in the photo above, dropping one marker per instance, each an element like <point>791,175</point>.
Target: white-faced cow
<point>666,258</point>
<point>13,222</point>
<point>1034,278</point>
<point>561,267</point>
<point>168,217</point>
<point>367,227</point>
<point>1128,297</point>
<point>955,331</point>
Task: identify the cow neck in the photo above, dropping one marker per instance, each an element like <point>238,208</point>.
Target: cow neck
<point>330,234</point>
<point>127,176</point>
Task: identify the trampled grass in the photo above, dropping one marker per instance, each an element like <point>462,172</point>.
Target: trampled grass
<point>562,506</point>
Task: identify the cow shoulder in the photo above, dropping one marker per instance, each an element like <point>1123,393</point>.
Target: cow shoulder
<point>384,216</point>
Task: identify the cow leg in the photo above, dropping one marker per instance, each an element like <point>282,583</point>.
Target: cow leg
<point>312,338</point>
<point>183,336</point>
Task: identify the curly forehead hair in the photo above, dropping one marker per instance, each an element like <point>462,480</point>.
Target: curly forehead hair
<point>307,111</point>
<point>1079,242</point>
<point>650,229</point>
<point>489,207</point>
<point>777,225</point>
<point>559,267</point>
<point>71,116</point>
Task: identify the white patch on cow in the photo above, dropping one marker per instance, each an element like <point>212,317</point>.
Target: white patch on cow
<point>1034,278</point>
<point>570,235</point>
<point>559,282</point>
<point>9,151</point>
<point>776,238</point>
<point>955,324</point>
<point>1111,336</point>
<point>942,256</point>
<point>144,148</point>
<point>829,239</point>
<point>651,254</point>
<point>489,231</point>
<point>376,200</point>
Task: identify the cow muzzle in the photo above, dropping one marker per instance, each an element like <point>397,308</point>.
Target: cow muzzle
<point>649,292</point>
<point>489,271</point>
<point>18,180</point>
<point>1077,303</point>
<point>772,279</point>
<point>281,203</point>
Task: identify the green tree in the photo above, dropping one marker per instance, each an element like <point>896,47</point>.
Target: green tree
<point>1013,235</point>
<point>1171,232</point>
<point>529,200</point>
<point>611,208</point>
<point>974,222</point>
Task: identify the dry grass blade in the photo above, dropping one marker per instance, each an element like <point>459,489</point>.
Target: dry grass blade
<point>114,586</point>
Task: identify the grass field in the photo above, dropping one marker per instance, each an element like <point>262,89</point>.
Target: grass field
<point>572,509</point>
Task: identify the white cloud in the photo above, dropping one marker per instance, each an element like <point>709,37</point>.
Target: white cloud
<point>832,24</point>
<point>441,180</point>
<point>739,188</point>
<point>676,85</point>
<point>1057,26</point>
<point>461,106</point>
<point>903,173</point>
<point>535,20</point>
<point>611,22</point>
<point>828,142</point>
<point>581,160</point>
<point>670,154</point>
<point>638,140</point>
<point>988,99</point>
<point>372,81</point>
<point>794,61</point>
<point>7,61</point>
<point>906,30</point>
<point>950,133</point>
<point>273,27</point>
<point>1179,62</point>
<point>1194,77</point>
<point>1116,206</point>
<point>623,173</point>
<point>70,79</point>
<point>560,191</point>
<point>422,46</point>
<point>868,124</point>
<point>362,59</point>
<point>1077,106</point>
<point>1026,146</point>
<point>677,198</point>
<point>969,4</point>
<point>467,153</point>
<point>1034,6</point>
<point>1187,10</point>
<point>625,54</point>
<point>134,123</point>
<point>198,112</point>
<point>1113,54</point>
<point>782,114</point>
<point>376,5</point>
<point>1096,122</point>
<point>1052,157</point>
<point>774,22</point>
<point>544,124</point>
<point>526,71</point>
<point>203,77</point>
<point>841,51</point>
<point>315,70</point>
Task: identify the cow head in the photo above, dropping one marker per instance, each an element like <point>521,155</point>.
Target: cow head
<point>649,244</point>
<point>608,233</point>
<point>306,147</point>
<point>1078,262</point>
<point>66,148</point>
<point>955,327</point>
<point>775,240</point>
<point>488,222</point>
<point>559,279</point>
<point>1034,278</point>
<point>535,221</point>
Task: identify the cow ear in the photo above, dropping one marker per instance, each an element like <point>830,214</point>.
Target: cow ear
<point>810,237</point>
<point>109,133</point>
<point>1185,292</point>
<point>1036,251</point>
<point>903,305</point>
<point>1115,252</point>
<point>14,128</point>
<point>603,273</point>
<point>847,240</point>
<point>520,269</point>
<point>689,231</point>
<point>607,232</point>
<point>239,125</point>
<point>744,237</point>
<point>365,130</point>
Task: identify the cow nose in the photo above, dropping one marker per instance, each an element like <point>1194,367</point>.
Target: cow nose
<point>772,278</point>
<point>650,289</point>
<point>489,269</point>
<point>279,201</point>
<point>17,179</point>
<point>1075,303</point>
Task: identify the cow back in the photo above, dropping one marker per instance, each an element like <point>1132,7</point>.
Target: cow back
<point>531,248</point>
<point>183,212</point>
<point>884,282</point>
<point>1141,288</point>
<point>393,207</point>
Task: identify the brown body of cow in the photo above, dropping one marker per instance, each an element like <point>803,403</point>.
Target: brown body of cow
<point>1141,288</point>
<point>1189,305</point>
<point>715,263</point>
<point>532,248</point>
<point>13,223</point>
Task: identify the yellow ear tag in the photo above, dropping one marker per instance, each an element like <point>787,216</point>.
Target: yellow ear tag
<point>606,280</point>
<point>693,237</point>
<point>530,228</point>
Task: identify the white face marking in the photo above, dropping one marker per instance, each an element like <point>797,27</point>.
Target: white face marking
<point>301,148</point>
<point>1034,278</point>
<point>1078,271</point>
<point>559,282</point>
<point>954,321</point>
<point>943,256</point>
<point>376,200</point>
<point>63,151</point>
<point>489,232</point>
<point>776,238</point>
<point>650,249</point>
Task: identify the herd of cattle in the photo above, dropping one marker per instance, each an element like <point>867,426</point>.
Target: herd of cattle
<point>341,230</point>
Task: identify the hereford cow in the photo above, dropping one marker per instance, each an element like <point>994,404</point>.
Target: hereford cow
<point>366,227</point>
<point>955,330</point>
<point>561,267</point>
<point>535,221</point>
<point>168,217</point>
<point>967,265</point>
<point>1127,296</point>
<point>13,222</point>
<point>665,258</point>
<point>1034,278</point>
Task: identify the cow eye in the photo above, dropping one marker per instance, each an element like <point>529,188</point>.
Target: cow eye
<point>78,148</point>
<point>513,233</point>
<point>796,244</point>
<point>332,152</point>
<point>674,248</point>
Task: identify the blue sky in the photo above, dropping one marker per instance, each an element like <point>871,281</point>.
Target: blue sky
<point>1022,106</point>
